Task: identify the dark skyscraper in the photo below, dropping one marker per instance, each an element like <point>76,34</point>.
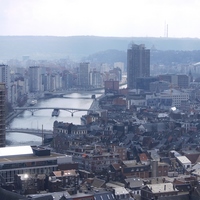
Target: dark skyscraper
<point>138,64</point>
<point>84,70</point>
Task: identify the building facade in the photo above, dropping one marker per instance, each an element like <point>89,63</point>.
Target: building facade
<point>180,80</point>
<point>143,83</point>
<point>67,80</point>
<point>157,191</point>
<point>35,79</point>
<point>2,114</point>
<point>138,64</point>
<point>111,86</point>
<point>5,78</point>
<point>96,79</point>
<point>30,160</point>
<point>176,96</point>
<point>84,70</point>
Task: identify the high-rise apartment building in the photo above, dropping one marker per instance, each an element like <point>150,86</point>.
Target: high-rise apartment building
<point>119,65</point>
<point>138,64</point>
<point>96,79</point>
<point>5,78</point>
<point>84,70</point>
<point>2,114</point>
<point>67,80</point>
<point>35,79</point>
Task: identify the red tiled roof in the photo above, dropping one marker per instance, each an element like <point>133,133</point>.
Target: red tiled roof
<point>143,157</point>
<point>192,157</point>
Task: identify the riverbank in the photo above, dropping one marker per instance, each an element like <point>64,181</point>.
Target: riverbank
<point>95,103</point>
<point>43,118</point>
<point>12,115</point>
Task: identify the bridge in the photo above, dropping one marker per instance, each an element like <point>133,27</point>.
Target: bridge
<point>63,93</point>
<point>66,97</point>
<point>34,109</point>
<point>37,132</point>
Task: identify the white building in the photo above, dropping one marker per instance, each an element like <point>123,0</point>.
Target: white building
<point>176,96</point>
<point>184,161</point>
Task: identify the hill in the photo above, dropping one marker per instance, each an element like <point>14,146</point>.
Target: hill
<point>77,47</point>
<point>168,57</point>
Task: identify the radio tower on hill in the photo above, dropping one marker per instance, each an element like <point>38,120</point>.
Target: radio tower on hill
<point>166,30</point>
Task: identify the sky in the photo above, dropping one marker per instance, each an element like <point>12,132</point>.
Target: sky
<point>118,18</point>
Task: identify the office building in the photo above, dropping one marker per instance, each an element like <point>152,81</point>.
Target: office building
<point>176,96</point>
<point>180,80</point>
<point>2,114</point>
<point>30,160</point>
<point>138,64</point>
<point>84,70</point>
<point>143,83</point>
<point>159,86</point>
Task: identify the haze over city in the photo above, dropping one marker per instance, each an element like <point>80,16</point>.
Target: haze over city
<point>99,100</point>
<point>127,18</point>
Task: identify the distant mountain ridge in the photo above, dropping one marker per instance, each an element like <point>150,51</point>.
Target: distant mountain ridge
<point>77,47</point>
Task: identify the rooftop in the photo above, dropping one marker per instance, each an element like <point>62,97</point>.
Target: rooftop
<point>23,153</point>
<point>183,159</point>
<point>15,151</point>
<point>162,187</point>
<point>129,163</point>
<point>65,173</point>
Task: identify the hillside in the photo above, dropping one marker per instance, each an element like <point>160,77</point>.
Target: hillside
<point>168,57</point>
<point>77,47</point>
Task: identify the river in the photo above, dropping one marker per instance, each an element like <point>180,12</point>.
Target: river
<point>43,118</point>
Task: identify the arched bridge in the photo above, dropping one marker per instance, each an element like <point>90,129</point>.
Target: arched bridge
<point>36,132</point>
<point>34,109</point>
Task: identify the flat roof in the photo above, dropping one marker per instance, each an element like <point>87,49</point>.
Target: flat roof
<point>71,172</point>
<point>129,163</point>
<point>15,151</point>
<point>120,190</point>
<point>28,158</point>
<point>184,159</point>
<point>162,187</point>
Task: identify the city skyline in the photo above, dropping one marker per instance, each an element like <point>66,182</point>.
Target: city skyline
<point>119,18</point>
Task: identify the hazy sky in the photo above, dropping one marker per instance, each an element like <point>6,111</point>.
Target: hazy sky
<point>100,17</point>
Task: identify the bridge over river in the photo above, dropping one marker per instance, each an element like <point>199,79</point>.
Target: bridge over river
<point>37,132</point>
<point>34,109</point>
